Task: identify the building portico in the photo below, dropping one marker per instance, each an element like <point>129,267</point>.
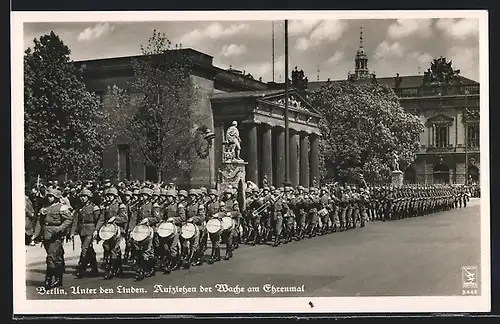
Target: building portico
<point>260,115</point>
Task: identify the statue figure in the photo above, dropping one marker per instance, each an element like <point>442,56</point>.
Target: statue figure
<point>265,182</point>
<point>233,140</point>
<point>395,161</point>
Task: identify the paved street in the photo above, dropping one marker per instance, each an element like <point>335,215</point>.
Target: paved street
<point>417,256</point>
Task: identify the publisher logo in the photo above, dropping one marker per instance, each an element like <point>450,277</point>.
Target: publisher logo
<point>469,277</point>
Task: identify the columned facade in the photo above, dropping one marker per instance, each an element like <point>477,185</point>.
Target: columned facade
<point>304,160</point>
<point>263,137</point>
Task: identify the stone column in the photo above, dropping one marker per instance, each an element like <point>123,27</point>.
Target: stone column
<point>252,157</point>
<point>267,153</point>
<point>280,156</point>
<point>304,160</point>
<point>294,158</point>
<point>314,159</point>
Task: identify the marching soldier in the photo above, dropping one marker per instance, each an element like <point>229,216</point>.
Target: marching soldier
<point>195,214</point>
<point>313,203</point>
<point>289,216</point>
<point>278,209</point>
<point>170,246</point>
<point>253,205</point>
<point>147,214</point>
<point>54,220</point>
<point>114,213</point>
<point>326,204</point>
<point>213,208</point>
<point>232,210</point>
<point>265,218</point>
<point>84,224</point>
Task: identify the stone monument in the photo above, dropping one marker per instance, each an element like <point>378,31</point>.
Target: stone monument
<point>232,170</point>
<point>396,175</point>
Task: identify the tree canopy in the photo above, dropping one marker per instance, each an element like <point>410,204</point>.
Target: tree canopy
<point>159,124</point>
<point>363,126</point>
<point>63,125</point>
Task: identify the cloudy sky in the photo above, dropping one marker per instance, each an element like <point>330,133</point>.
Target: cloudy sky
<point>393,46</point>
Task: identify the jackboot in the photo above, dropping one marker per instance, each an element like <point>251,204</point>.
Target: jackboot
<point>49,276</point>
<point>229,253</point>
<point>109,270</point>
<point>58,276</point>
<point>150,268</point>
<point>94,272</point>
<point>277,240</point>
<point>212,257</point>
<point>167,268</point>
<point>80,269</point>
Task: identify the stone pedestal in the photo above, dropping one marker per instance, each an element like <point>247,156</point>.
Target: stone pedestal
<point>230,173</point>
<point>397,178</point>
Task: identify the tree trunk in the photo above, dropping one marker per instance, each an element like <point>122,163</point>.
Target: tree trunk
<point>158,175</point>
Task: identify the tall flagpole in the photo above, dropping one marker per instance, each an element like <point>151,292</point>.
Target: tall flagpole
<point>273,47</point>
<point>287,130</point>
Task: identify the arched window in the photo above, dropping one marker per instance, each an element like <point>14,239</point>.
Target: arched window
<point>441,173</point>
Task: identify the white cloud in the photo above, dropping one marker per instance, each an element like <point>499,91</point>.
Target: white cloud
<point>233,50</point>
<point>423,59</point>
<point>459,28</point>
<point>386,51</point>
<point>336,58</point>
<point>213,31</point>
<point>465,59</point>
<point>326,31</point>
<point>96,31</point>
<point>299,27</point>
<point>302,44</point>
<point>410,27</point>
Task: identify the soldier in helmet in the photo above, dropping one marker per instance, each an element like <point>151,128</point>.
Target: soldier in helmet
<point>114,213</point>
<point>231,209</point>
<point>265,215</point>
<point>326,204</point>
<point>213,208</point>
<point>279,208</point>
<point>54,220</point>
<point>84,224</point>
<point>195,214</point>
<point>147,214</point>
<point>170,246</point>
<point>253,204</point>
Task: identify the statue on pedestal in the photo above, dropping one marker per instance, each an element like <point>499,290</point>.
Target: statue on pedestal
<point>233,143</point>
<point>395,161</point>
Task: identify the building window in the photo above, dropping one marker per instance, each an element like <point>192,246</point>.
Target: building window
<point>473,135</point>
<point>441,136</point>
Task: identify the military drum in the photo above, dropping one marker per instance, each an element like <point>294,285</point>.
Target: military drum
<point>108,231</point>
<point>167,229</point>
<point>142,232</point>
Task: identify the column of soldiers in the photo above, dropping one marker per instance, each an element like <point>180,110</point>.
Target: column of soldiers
<point>141,213</point>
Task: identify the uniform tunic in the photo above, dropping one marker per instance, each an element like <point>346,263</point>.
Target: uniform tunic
<point>84,224</point>
<point>52,226</point>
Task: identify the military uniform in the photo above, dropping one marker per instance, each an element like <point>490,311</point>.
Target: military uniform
<point>279,208</point>
<point>147,214</point>
<point>169,249</point>
<point>84,224</point>
<point>231,209</point>
<point>53,224</point>
<point>195,213</point>
<point>212,211</point>
<point>113,212</point>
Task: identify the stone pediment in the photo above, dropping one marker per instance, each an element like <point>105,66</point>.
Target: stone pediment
<point>295,102</point>
<point>440,119</point>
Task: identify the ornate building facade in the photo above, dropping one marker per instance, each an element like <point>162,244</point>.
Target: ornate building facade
<point>224,96</point>
<point>448,106</point>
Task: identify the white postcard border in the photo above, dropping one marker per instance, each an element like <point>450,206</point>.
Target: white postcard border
<point>238,305</point>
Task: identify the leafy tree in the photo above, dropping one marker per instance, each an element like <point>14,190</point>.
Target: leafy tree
<point>159,123</point>
<point>63,125</point>
<point>363,126</point>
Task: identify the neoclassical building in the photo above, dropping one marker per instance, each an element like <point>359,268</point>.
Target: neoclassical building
<point>449,146</point>
<point>224,96</point>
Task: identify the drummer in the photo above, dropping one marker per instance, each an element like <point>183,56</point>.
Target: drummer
<point>169,246</point>
<point>203,199</point>
<point>213,208</point>
<point>195,214</point>
<point>232,210</point>
<point>144,251</point>
<point>114,213</point>
<point>84,224</point>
